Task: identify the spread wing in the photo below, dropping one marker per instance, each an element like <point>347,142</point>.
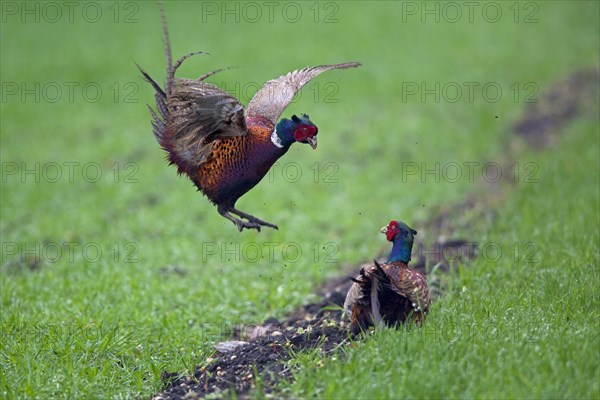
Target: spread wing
<point>275,95</point>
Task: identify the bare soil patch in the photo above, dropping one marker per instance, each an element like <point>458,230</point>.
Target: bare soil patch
<point>543,121</point>
<point>262,351</point>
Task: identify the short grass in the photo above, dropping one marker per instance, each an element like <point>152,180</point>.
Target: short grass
<point>105,319</point>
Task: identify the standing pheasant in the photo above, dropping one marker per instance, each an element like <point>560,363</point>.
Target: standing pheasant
<point>223,148</point>
<point>389,293</point>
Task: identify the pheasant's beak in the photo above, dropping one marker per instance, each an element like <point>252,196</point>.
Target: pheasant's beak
<point>384,230</point>
<point>312,141</point>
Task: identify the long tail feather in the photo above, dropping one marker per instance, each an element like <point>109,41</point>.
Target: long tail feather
<point>182,59</point>
<point>149,79</point>
<point>167,48</point>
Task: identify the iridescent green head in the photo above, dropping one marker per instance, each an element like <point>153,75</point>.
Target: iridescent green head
<point>402,236</point>
<point>298,129</point>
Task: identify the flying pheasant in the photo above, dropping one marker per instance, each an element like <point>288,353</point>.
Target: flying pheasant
<point>223,148</point>
<point>390,293</point>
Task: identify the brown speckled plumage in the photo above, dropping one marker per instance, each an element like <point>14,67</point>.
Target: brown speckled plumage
<point>237,164</point>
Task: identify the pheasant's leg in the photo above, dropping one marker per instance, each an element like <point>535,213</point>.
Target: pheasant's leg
<point>225,212</point>
<point>253,219</point>
<point>418,316</point>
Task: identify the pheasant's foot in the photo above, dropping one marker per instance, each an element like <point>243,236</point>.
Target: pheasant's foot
<point>253,219</point>
<point>240,224</point>
<point>248,225</point>
<point>252,223</point>
<point>418,318</point>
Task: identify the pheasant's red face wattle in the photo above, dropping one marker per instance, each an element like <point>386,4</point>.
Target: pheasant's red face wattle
<point>304,131</point>
<point>391,231</point>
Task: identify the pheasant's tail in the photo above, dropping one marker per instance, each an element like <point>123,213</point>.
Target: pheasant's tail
<point>367,309</point>
<point>378,267</point>
<point>162,96</point>
<point>190,113</point>
<point>159,120</point>
<point>172,68</point>
<point>367,278</point>
<point>167,49</point>
<point>358,294</point>
<point>379,274</point>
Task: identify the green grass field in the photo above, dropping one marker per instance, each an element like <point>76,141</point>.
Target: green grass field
<point>114,270</point>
